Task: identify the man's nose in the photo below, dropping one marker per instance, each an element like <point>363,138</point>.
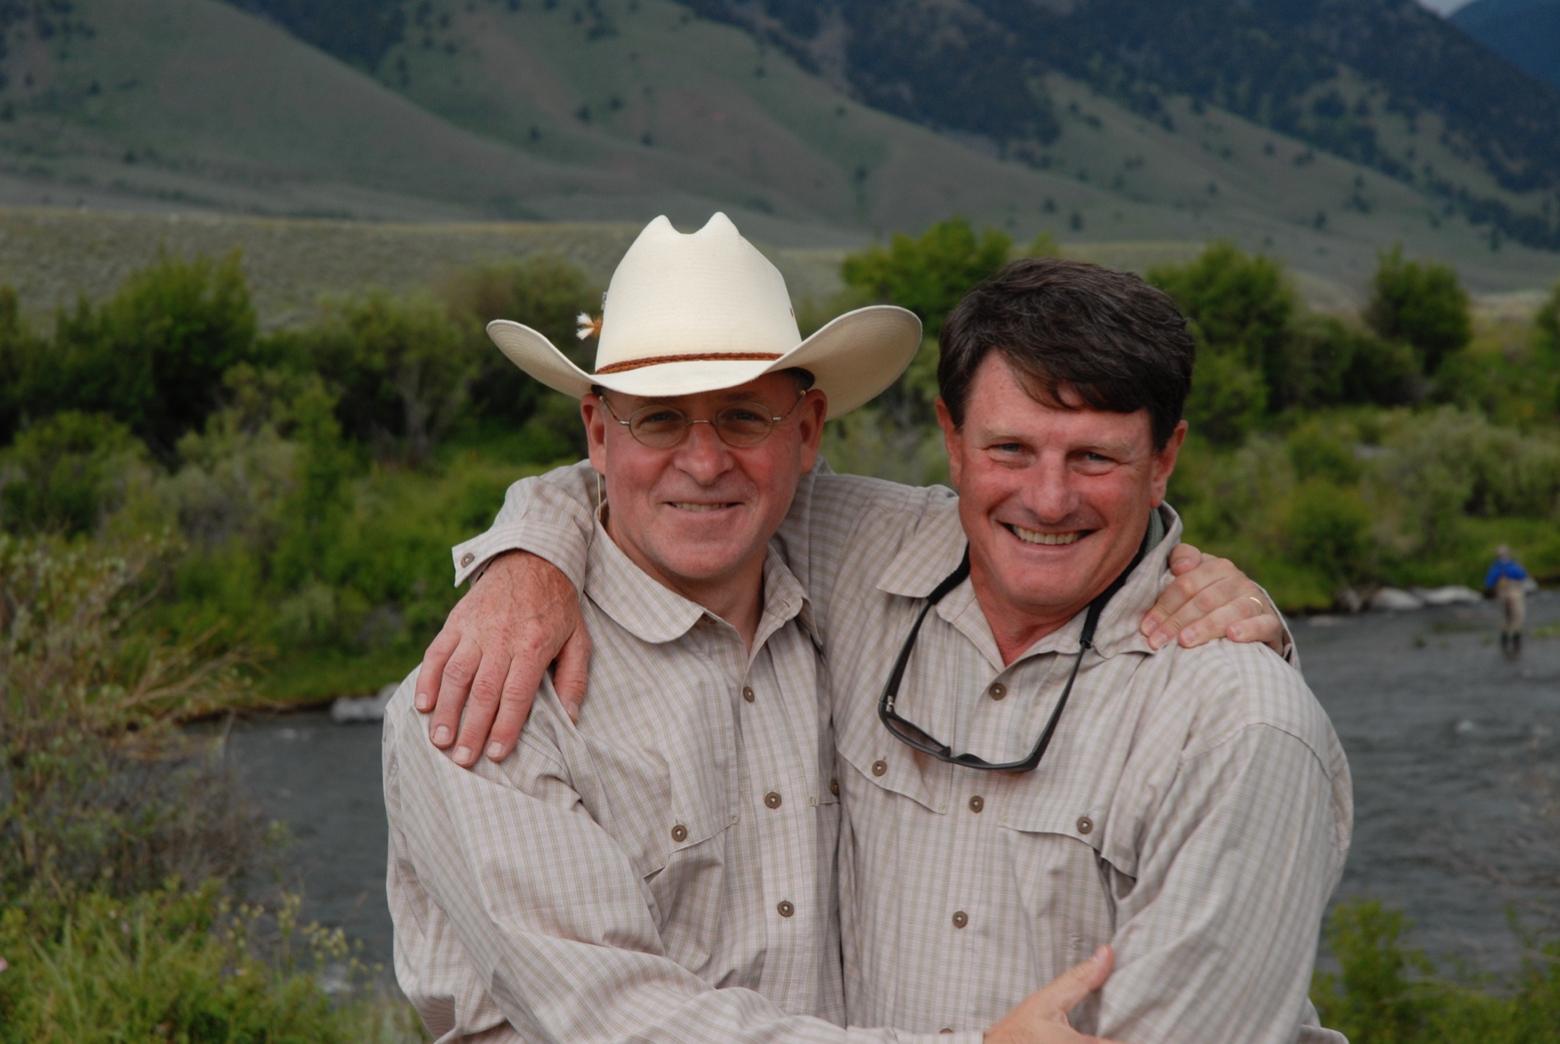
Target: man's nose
<point>1049,491</point>
<point>702,455</point>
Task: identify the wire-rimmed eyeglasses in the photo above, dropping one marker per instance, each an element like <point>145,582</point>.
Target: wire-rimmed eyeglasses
<point>917,738</point>
<point>740,424</point>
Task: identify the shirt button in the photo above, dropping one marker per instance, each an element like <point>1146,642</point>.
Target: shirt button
<point>879,767</point>
<point>772,799</point>
<point>977,803</point>
<point>997,690</point>
<point>960,918</point>
<point>747,693</point>
<point>834,787</point>
<point>785,908</point>
<point>679,833</point>
<point>466,559</point>
<point>1085,824</point>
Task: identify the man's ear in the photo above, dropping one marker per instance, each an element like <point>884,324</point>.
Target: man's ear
<point>951,443</point>
<point>595,417</point>
<point>1164,462</point>
<point>811,411</point>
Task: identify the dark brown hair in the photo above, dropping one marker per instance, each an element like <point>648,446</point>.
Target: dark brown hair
<point>1121,344</point>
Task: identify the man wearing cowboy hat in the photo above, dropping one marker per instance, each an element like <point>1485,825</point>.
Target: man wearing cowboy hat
<point>664,867</point>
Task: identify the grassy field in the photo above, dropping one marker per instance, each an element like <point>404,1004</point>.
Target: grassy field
<point>50,256</point>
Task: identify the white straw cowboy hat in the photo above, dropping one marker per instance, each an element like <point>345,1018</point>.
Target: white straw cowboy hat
<point>705,311</point>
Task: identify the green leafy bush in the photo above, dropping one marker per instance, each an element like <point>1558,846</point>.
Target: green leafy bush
<point>1244,308</point>
<point>153,355</point>
<point>401,367</point>
<point>1422,304</point>
<point>1329,532</point>
<point>67,473</point>
<point>1384,992</point>
<point>927,274</point>
<point>544,293</point>
<point>1228,400</point>
<point>181,963</point>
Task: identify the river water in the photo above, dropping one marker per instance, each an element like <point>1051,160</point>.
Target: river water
<point>1455,754</point>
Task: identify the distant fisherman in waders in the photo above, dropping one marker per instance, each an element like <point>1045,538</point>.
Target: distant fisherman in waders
<point>1506,582</point>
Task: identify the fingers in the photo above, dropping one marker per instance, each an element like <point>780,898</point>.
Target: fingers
<point>1161,623</point>
<point>483,670</point>
<point>481,708</point>
<point>1041,1018</point>
<point>1202,602</point>
<point>1262,625</point>
<point>432,667</point>
<point>1073,986</point>
<point>514,709</point>
<point>1183,558</point>
<point>571,671</point>
<point>453,683</point>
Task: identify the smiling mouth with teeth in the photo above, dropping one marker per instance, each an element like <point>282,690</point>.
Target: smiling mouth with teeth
<point>687,506</point>
<point>1031,536</point>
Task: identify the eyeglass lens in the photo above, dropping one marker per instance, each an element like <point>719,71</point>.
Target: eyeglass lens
<point>744,424</point>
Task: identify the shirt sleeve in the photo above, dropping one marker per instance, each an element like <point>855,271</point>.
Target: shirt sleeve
<point>552,919</point>
<point>551,515</point>
<point>1216,937</point>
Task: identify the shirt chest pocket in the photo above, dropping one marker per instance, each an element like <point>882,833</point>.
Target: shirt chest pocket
<point>665,804</point>
<point>1069,860</point>
<point>874,766</point>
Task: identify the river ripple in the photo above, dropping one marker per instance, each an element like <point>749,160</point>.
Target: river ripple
<point>1454,751</point>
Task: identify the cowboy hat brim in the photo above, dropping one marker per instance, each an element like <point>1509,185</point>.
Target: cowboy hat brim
<point>852,359</point>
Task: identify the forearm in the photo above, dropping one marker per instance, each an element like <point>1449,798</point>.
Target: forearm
<point>551,515</point>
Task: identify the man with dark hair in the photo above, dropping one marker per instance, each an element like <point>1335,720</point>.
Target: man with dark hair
<point>1025,775</point>
<point>1140,352</point>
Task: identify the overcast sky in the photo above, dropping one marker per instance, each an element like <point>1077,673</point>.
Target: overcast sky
<point>1444,6</point>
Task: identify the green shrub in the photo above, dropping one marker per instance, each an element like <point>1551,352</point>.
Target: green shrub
<point>1373,996</point>
<point>927,274</point>
<point>188,964</point>
<point>94,788</point>
<point>153,355</point>
<point>1228,399</point>
<point>401,367</point>
<point>1546,327</point>
<point>1324,447</point>
<point>865,443</point>
<point>1244,308</point>
<point>66,474</point>
<point>544,293</point>
<point>1421,304</point>
<point>21,351</point>
<point>1384,992</point>
<point>1329,532</point>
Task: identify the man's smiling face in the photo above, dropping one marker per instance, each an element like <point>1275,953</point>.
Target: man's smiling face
<point>1054,497</point>
<point>698,516</point>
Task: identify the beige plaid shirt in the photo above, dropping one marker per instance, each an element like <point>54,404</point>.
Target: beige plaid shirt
<point>1193,810</point>
<point>603,881</point>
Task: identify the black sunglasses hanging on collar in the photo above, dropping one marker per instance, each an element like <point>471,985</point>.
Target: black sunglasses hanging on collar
<point>913,736</point>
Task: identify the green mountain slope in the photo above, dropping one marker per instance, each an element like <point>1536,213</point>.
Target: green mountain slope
<point>585,111</point>
<point>1524,32</point>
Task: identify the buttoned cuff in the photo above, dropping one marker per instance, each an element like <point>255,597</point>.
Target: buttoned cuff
<point>564,546</point>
